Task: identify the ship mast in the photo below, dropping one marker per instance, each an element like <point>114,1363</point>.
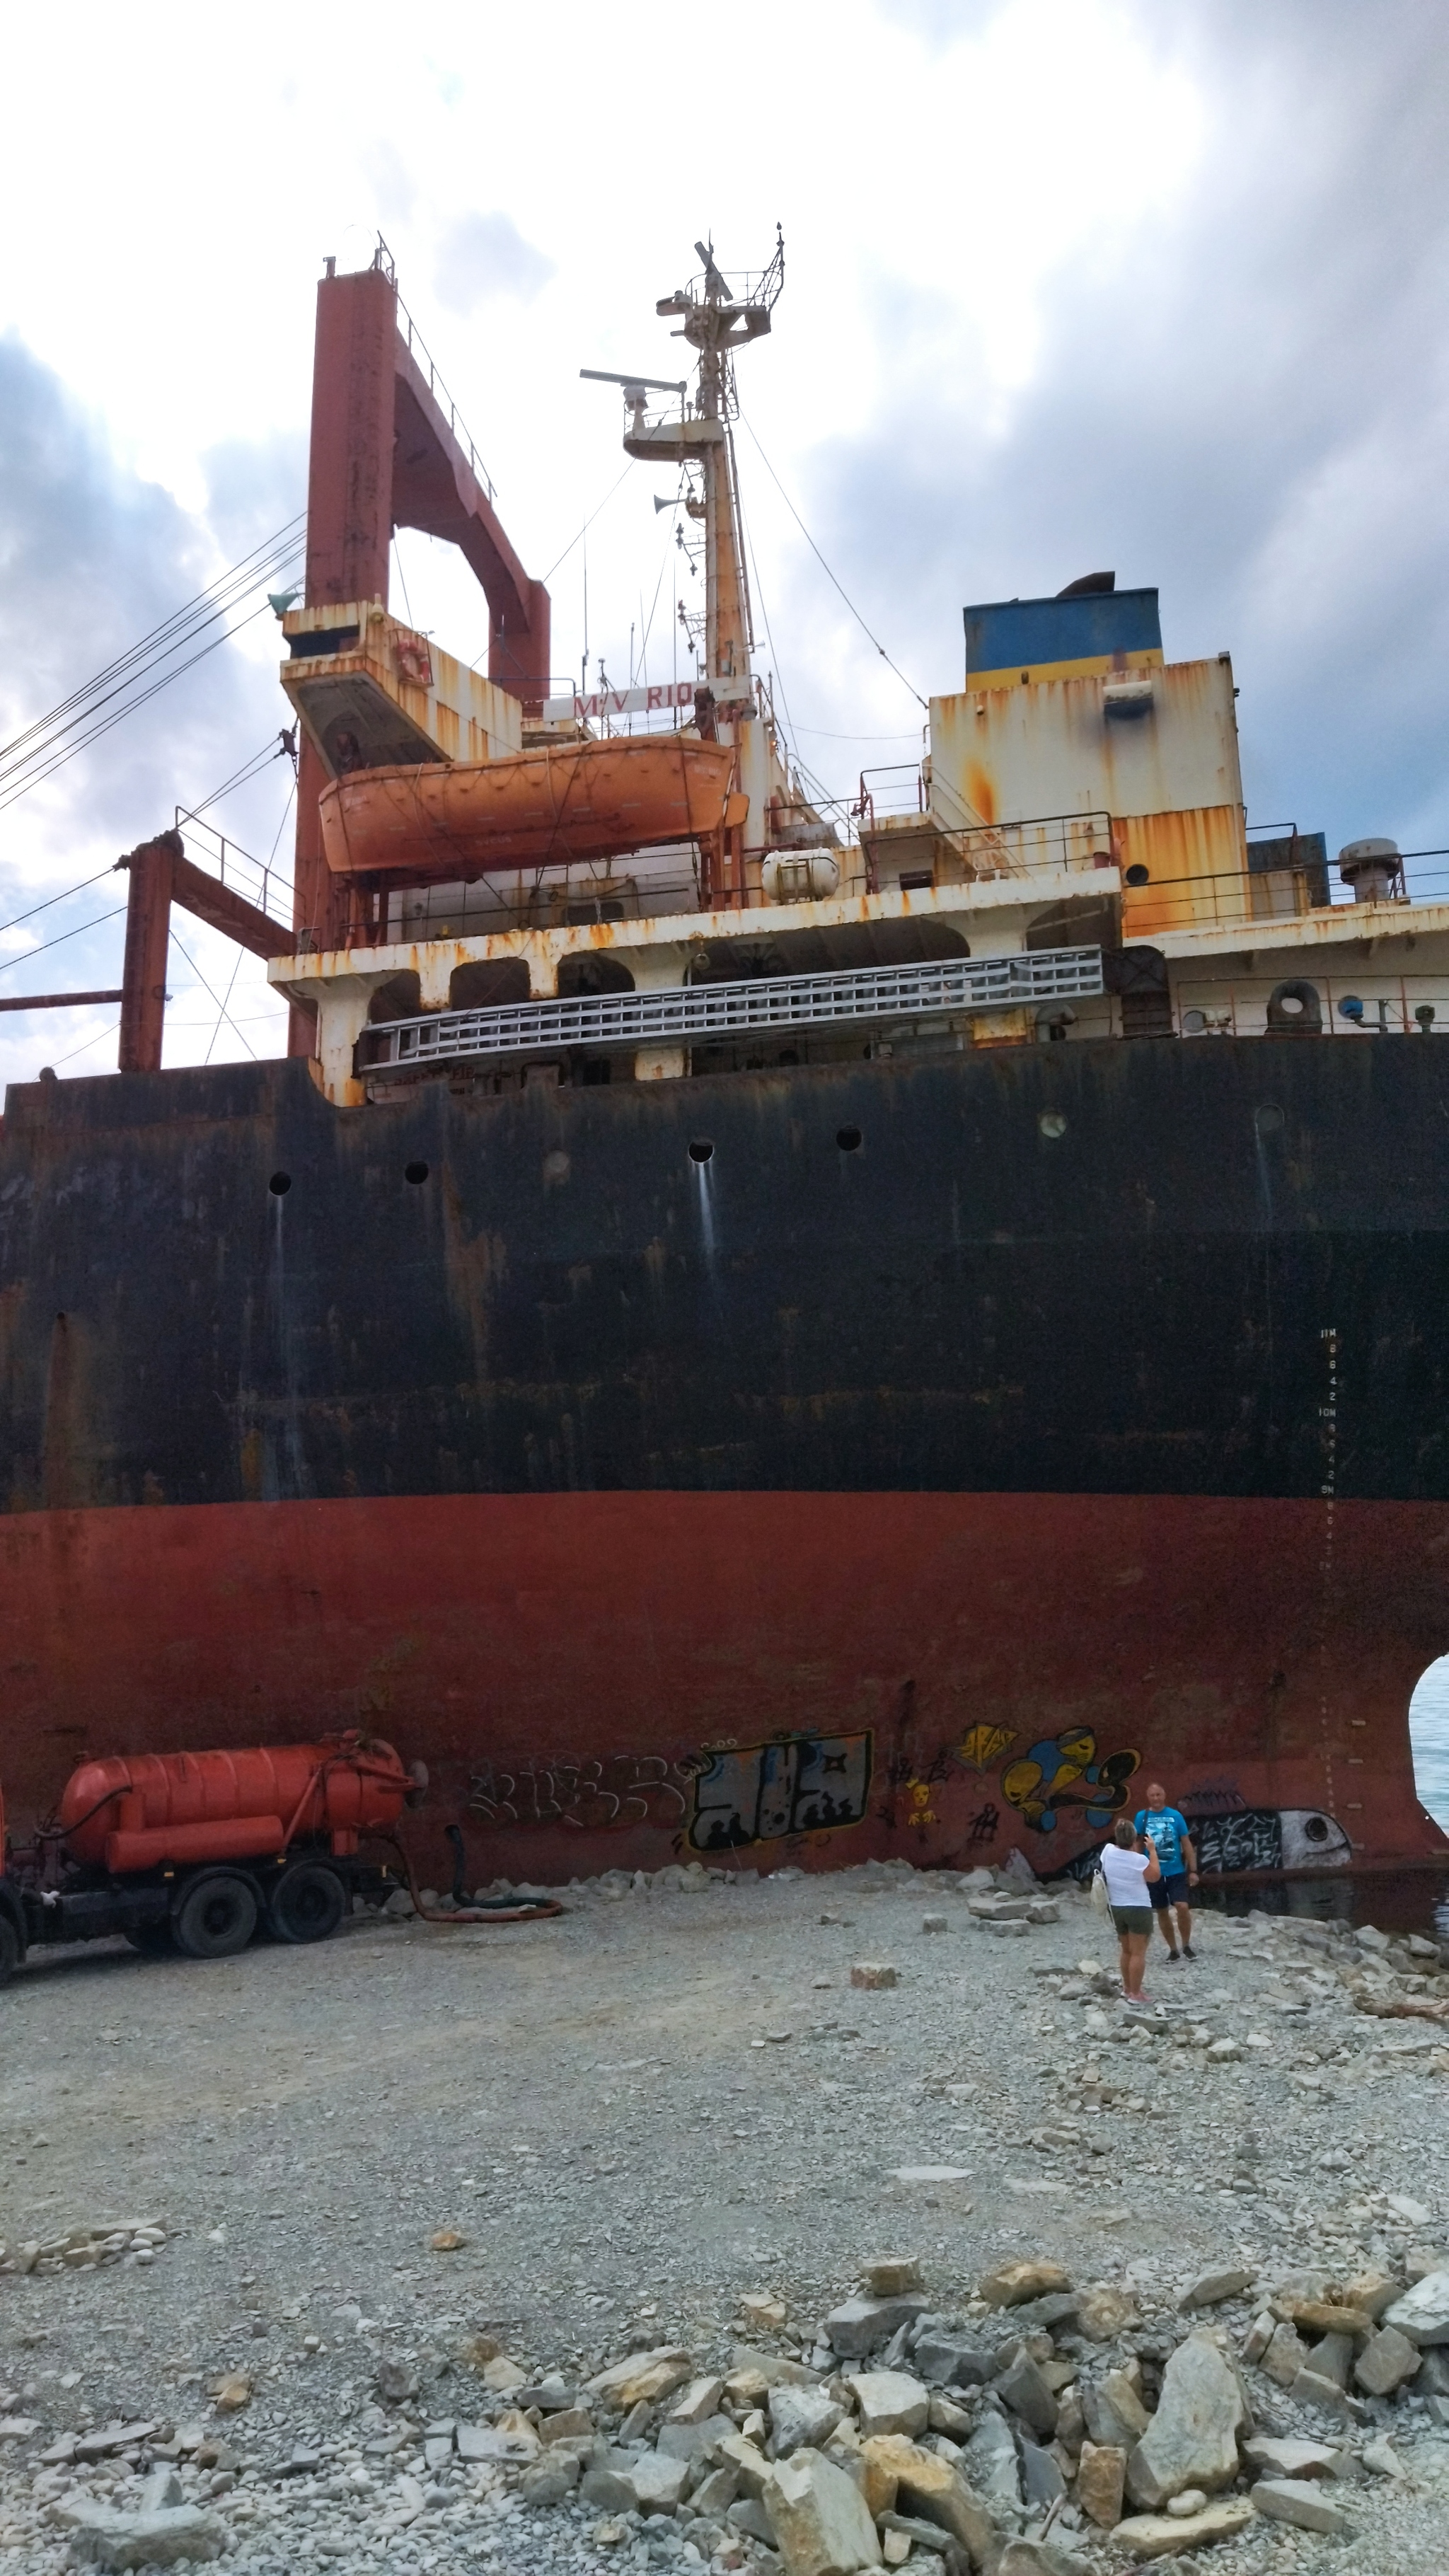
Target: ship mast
<point>716,322</point>
<point>717,319</point>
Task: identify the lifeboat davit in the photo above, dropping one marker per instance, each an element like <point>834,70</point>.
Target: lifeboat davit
<point>570,801</point>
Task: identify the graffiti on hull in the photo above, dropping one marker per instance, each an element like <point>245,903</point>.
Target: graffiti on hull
<point>800,1784</point>
<point>1062,1778</point>
<point>1269,1838</point>
<point>618,1790</point>
<point>1256,1840</point>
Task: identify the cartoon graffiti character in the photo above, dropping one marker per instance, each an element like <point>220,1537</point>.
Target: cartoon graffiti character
<point>1063,1772</point>
<point>922,1812</point>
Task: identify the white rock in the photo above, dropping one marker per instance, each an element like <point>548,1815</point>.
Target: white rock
<point>1192,2440</point>
<point>659,2483</point>
<point>803,2418</point>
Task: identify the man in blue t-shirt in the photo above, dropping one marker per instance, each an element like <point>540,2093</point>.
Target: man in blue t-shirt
<point>1166,1831</point>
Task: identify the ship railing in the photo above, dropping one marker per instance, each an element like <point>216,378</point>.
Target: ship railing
<point>382,259</point>
<point>1232,899</point>
<point>894,788</point>
<point>693,1014</point>
<point>256,880</point>
<point>1036,843</point>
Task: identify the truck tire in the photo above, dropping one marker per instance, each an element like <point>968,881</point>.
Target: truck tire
<point>307,1903</point>
<point>153,1940</point>
<point>215,1915</point>
<point>9,1949</point>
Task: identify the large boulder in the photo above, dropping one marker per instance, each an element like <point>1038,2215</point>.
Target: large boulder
<point>990,2461</point>
<point>1423,2312</point>
<point>1192,2440</point>
<point>1012,2284</point>
<point>935,2491</point>
<point>857,2326</point>
<point>890,2401</point>
<point>820,2519</point>
<point>645,2377</point>
<point>800,2419</point>
<point>1162,2535</point>
<point>174,2537</point>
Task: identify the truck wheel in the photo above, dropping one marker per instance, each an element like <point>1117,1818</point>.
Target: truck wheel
<point>307,1903</point>
<point>216,1915</point>
<point>9,1950</point>
<point>153,1940</point>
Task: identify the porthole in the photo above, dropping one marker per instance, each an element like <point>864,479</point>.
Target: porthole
<point>417,1173</point>
<point>1315,1829</point>
<point>700,1150</point>
<point>1136,874</point>
<point>279,1184</point>
<point>848,1139</point>
<point>1268,1120</point>
<point>1052,1123</point>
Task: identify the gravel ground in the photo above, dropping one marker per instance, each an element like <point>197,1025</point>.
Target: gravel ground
<point>666,2101</point>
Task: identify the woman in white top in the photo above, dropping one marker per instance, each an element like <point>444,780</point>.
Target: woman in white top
<point>1129,1873</point>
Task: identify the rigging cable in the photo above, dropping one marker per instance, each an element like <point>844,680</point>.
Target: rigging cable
<point>825,568</point>
<point>206,988</point>
<point>48,748</point>
<point>25,954</point>
<point>56,759</point>
<point>287,535</point>
<point>54,899</point>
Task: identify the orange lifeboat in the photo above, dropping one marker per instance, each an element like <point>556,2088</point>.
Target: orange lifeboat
<point>570,801</point>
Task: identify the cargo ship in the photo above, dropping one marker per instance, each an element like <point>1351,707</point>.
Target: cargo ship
<point>738,1331</point>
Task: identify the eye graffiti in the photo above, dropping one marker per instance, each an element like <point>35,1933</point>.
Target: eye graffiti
<point>1062,1776</point>
<point>792,1785</point>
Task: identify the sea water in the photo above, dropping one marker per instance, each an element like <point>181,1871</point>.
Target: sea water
<point>1429,1736</point>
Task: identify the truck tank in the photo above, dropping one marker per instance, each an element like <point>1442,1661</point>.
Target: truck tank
<point>141,1811</point>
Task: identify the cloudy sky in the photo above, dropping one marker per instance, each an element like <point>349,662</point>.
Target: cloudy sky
<point>1071,283</point>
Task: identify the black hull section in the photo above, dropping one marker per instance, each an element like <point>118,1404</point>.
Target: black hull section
<point>1226,1273</point>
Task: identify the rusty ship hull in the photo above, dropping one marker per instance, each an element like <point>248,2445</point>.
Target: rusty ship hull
<point>946,1451</point>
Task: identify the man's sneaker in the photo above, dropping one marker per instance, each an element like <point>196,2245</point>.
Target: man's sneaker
<point>1173,1957</point>
<point>1188,1951</point>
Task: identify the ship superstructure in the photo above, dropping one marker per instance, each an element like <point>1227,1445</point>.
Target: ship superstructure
<point>1075,829</point>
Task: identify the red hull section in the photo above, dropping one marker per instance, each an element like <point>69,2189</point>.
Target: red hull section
<point>618,1679</point>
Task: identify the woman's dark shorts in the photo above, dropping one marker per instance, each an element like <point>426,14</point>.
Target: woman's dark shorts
<point>1166,1891</point>
<point>1132,1918</point>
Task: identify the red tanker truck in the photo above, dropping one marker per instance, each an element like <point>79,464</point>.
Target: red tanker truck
<point>196,1852</point>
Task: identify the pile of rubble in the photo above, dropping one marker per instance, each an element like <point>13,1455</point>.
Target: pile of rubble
<point>84,2248</point>
<point>1038,2429</point>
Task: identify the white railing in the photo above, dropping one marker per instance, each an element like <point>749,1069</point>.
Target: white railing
<point>689,1014</point>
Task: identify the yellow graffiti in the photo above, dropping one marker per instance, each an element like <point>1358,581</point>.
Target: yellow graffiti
<point>984,1745</point>
<point>922,1811</point>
